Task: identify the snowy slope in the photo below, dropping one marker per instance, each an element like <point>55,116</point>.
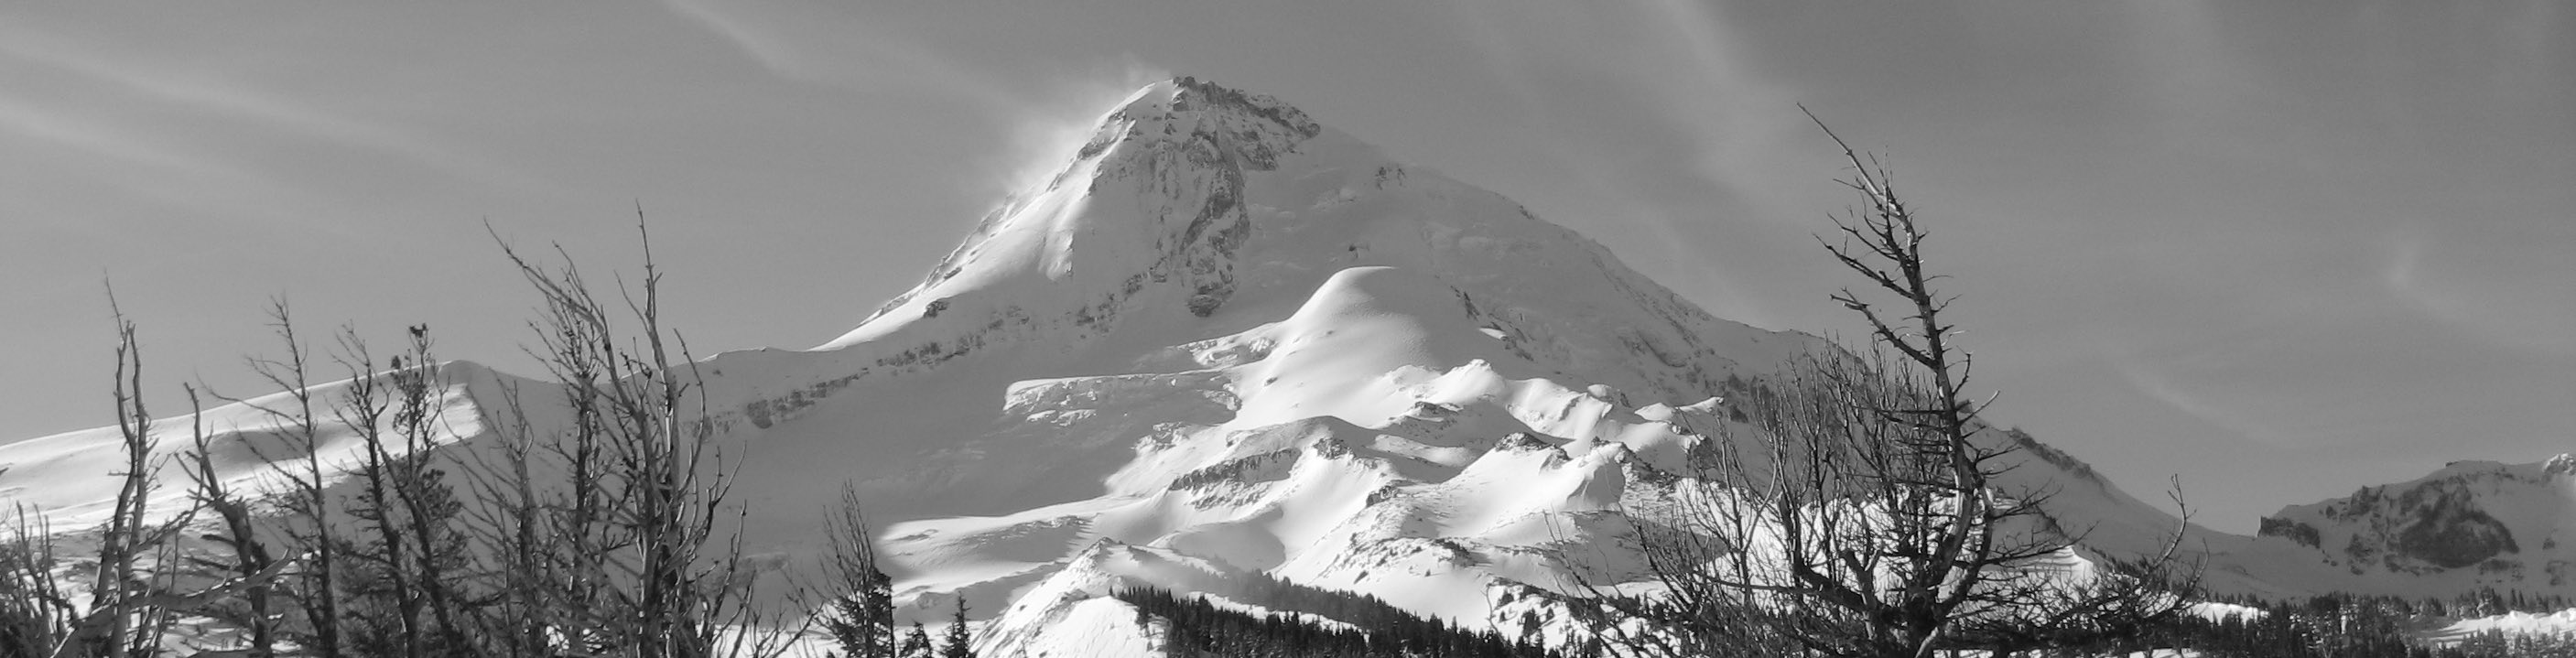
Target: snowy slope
<point>1225,339</point>
<point>66,475</point>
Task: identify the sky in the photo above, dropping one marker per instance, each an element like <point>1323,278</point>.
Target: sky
<point>2279,250</point>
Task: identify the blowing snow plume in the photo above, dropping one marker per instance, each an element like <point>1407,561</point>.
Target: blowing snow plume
<point>1045,131</point>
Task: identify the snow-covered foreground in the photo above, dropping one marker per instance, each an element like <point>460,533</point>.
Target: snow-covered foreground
<point>2556,624</point>
<point>1227,340</point>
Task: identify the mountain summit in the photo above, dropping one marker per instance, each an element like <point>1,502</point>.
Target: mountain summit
<point>1226,344</point>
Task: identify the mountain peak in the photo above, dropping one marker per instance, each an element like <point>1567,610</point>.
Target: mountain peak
<point>1253,127</point>
<point>1151,208</point>
<point>1197,210</point>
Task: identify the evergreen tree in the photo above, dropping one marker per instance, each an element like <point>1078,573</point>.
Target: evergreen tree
<point>399,577</point>
<point>960,644</point>
<point>916,644</point>
<point>862,622</point>
<point>862,619</point>
<point>1195,627</point>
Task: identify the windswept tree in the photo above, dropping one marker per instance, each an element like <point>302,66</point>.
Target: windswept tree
<point>1864,506</point>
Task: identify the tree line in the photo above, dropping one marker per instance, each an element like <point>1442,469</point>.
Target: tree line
<point>2359,627</point>
<point>1192,627</point>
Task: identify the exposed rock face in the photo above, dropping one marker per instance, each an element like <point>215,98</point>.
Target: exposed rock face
<point>2447,529</point>
<point>2304,534</point>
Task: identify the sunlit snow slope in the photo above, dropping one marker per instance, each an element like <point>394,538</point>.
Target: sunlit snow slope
<point>1225,339</point>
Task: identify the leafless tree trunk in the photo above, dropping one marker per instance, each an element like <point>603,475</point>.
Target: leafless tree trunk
<point>608,536</point>
<point>639,564</point>
<point>306,522</point>
<point>509,527</point>
<point>113,583</point>
<point>122,619</point>
<point>246,555</point>
<point>134,590</point>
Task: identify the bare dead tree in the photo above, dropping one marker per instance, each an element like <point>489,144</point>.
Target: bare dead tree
<point>508,526</point>
<point>404,583</point>
<point>244,553</point>
<point>113,583</point>
<point>36,613</point>
<point>403,577</point>
<point>305,522</point>
<point>2123,598</point>
<point>380,588</point>
<point>122,618</point>
<point>1975,588</point>
<point>135,579</point>
<point>609,535</point>
<point>640,561</point>
<point>1863,508</point>
<point>135,576</point>
<point>549,494</point>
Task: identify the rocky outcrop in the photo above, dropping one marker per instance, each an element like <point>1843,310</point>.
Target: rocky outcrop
<point>2479,522</point>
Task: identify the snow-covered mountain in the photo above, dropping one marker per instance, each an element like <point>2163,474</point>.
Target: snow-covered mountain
<point>1223,340</point>
<point>2473,523</point>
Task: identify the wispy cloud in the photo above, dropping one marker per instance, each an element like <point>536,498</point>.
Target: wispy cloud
<point>799,43</point>
<point>2512,312</point>
<point>762,44</point>
<point>145,166</point>
<point>2166,387</point>
<point>1735,110</point>
<point>1588,74</point>
<point>73,130</point>
<point>219,96</point>
<point>1045,121</point>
